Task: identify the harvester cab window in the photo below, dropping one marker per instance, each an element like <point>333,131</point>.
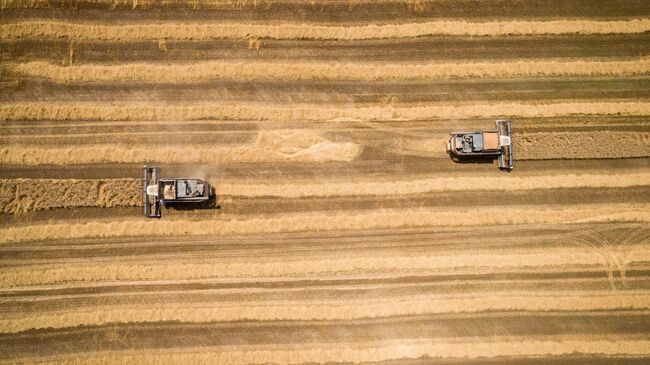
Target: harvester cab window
<point>477,142</point>
<point>183,188</point>
<point>466,144</point>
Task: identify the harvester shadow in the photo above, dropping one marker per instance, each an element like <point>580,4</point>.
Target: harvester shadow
<point>472,160</point>
<point>206,205</point>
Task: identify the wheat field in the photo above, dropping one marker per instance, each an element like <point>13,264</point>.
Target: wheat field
<point>342,233</point>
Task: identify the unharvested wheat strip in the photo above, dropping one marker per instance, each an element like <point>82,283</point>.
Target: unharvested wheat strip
<point>23,195</point>
<point>362,352</point>
<point>338,221</point>
<point>306,112</point>
<point>229,311</point>
<point>261,70</point>
<point>203,31</point>
<point>100,271</point>
<point>558,145</point>
<point>414,186</point>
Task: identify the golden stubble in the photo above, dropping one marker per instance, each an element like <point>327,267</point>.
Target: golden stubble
<point>341,311</point>
<point>345,220</point>
<point>273,70</point>
<point>269,146</point>
<point>206,31</point>
<point>434,184</point>
<point>307,112</point>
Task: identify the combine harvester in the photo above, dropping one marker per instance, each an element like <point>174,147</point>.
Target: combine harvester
<point>158,191</point>
<point>470,146</point>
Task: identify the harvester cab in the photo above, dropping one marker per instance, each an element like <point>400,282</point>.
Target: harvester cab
<point>158,191</point>
<point>463,146</point>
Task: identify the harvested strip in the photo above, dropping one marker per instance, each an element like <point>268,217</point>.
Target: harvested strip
<point>368,351</point>
<point>251,111</point>
<point>231,268</point>
<point>414,186</point>
<point>341,221</point>
<point>178,335</point>
<point>556,145</point>
<point>325,151</point>
<point>212,70</point>
<point>270,146</point>
<point>417,305</point>
<point>22,195</point>
<point>365,352</point>
<point>203,31</point>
